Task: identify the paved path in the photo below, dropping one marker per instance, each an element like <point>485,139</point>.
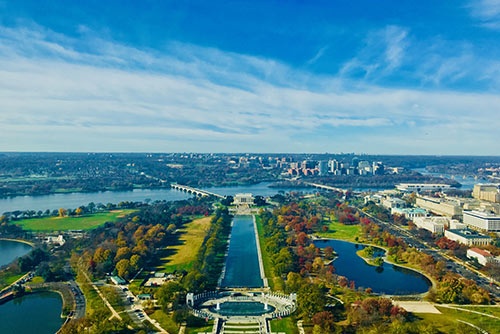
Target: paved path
<point>17,281</point>
<point>467,310</point>
<point>472,325</point>
<point>299,326</point>
<point>114,314</point>
<point>417,306</point>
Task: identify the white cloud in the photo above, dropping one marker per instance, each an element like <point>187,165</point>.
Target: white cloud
<point>487,11</point>
<point>90,94</point>
<point>383,52</point>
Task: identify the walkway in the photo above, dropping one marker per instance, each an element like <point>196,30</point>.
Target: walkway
<point>467,310</point>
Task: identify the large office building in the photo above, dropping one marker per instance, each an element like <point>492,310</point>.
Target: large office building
<point>487,192</point>
<point>467,237</point>
<point>433,224</point>
<point>484,221</point>
<point>440,206</point>
<point>410,213</point>
<point>419,187</point>
<point>393,202</point>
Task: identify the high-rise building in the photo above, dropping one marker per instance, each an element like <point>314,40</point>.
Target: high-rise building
<point>322,168</point>
<point>487,192</point>
<point>333,165</point>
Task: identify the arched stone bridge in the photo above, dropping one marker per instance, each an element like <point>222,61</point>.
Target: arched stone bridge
<point>197,192</point>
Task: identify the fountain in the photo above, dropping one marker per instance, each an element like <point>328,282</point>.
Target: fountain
<point>218,306</point>
<point>266,308</point>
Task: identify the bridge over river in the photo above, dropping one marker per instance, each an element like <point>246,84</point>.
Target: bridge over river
<point>195,191</point>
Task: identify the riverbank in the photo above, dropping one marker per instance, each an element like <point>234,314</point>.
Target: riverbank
<point>19,240</point>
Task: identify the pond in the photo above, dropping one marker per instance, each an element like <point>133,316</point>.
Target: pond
<point>242,261</point>
<point>35,313</point>
<point>10,250</point>
<point>242,309</point>
<point>387,279</point>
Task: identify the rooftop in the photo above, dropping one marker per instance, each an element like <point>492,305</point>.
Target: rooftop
<point>469,234</point>
<point>481,251</point>
<point>481,214</point>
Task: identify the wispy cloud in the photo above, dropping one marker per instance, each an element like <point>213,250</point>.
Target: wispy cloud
<point>382,53</point>
<point>487,11</point>
<point>60,93</point>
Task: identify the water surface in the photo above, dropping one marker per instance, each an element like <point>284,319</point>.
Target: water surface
<point>388,279</point>
<point>242,308</point>
<point>74,200</point>
<point>242,262</point>
<point>10,250</point>
<point>38,313</point>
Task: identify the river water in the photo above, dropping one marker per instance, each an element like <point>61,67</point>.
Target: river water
<point>35,313</point>
<point>467,182</point>
<point>74,200</point>
<point>242,261</point>
<point>388,279</point>
<point>10,250</point>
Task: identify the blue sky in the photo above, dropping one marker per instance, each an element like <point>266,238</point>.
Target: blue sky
<point>393,77</point>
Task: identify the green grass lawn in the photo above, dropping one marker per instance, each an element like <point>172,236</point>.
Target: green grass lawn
<point>495,311</point>
<point>339,231</point>
<point>181,256</point>
<point>11,279</point>
<point>286,325</point>
<point>166,321</point>
<point>204,329</point>
<point>447,321</point>
<point>87,222</point>
<point>275,283</point>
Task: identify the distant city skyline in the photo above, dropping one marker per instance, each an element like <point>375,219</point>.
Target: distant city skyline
<point>382,77</point>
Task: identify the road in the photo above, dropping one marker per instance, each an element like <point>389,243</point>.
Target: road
<point>452,263</point>
<point>80,305</point>
<point>133,306</point>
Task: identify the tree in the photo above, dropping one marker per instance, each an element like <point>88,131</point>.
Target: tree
<point>135,262</point>
<point>259,201</point>
<point>171,228</point>
<point>227,201</point>
<point>325,320</point>
<point>123,268</point>
<point>311,300</point>
<point>78,211</point>
<point>63,212</point>
<point>122,253</point>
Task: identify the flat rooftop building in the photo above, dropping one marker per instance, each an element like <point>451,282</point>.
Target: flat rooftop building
<point>433,224</point>
<point>484,221</point>
<point>410,213</point>
<point>487,192</point>
<point>419,187</point>
<point>467,237</point>
<point>440,206</point>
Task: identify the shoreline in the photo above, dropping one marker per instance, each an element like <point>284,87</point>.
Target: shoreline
<point>427,277</point>
<point>259,254</point>
<point>19,240</point>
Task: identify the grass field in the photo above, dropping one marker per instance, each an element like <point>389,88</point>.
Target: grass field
<point>447,321</point>
<point>275,283</point>
<point>493,310</point>
<point>286,325</point>
<point>166,321</point>
<point>181,256</point>
<point>87,222</point>
<point>339,231</point>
